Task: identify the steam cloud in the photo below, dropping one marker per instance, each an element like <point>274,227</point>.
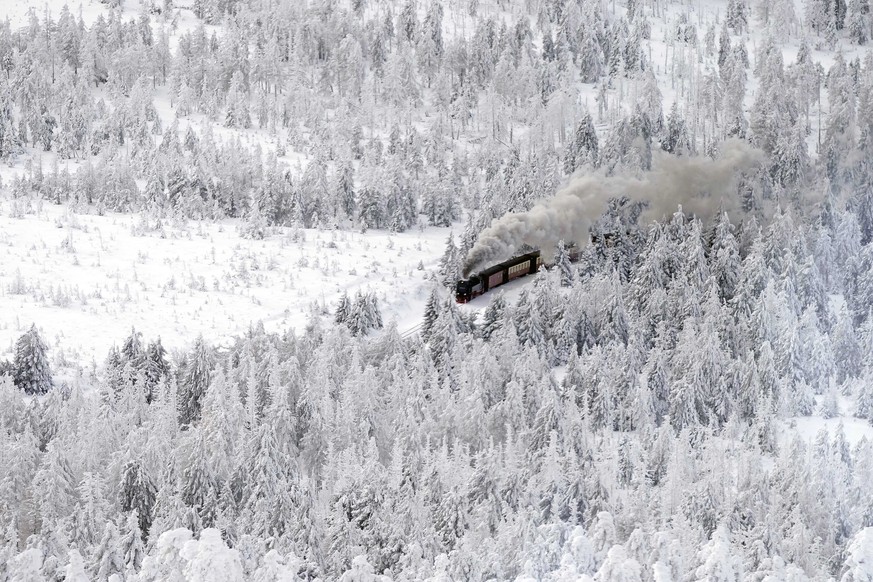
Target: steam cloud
<point>701,185</point>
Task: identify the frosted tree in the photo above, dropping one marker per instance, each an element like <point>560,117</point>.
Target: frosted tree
<point>444,333</point>
<point>780,18</point>
<point>724,255</point>
<point>717,560</point>
<point>199,484</point>
<point>829,407</point>
<point>27,566</point>
<point>157,369</point>
<point>314,192</point>
<point>857,21</point>
<point>582,151</point>
<point>343,308</point>
<point>676,140</point>
<point>370,207</point>
<point>55,486</point>
<point>817,15</point>
<point>91,512</point>
<point>238,113</point>
<point>193,382</point>
<point>449,270</point>
<point>344,187</point>
<point>724,46</point>
<point>618,567</point>
<point>407,21</point>
<point>859,563</point>
<point>493,318</point>
<point>74,571</point>
<point>164,562</point>
<point>270,497</point>
<point>374,314</point>
<point>846,350</point>
<point>864,396</point>
<point>223,423</point>
<point>30,368</point>
<point>130,544</point>
<point>733,111</point>
<point>108,560</point>
<point>137,493</point>
<point>400,203</point>
<point>364,315</point>
<point>361,571</point>
<point>816,360</point>
<point>9,140</point>
<point>210,560</point>
<point>132,349</point>
<point>590,59</point>
<point>529,323</point>
<point>565,267</point>
<point>278,568</point>
<point>401,87</point>
<point>737,16</point>
<point>430,47</point>
<point>431,311</point>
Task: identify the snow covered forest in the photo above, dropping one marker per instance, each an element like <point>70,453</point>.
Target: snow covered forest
<point>690,401</point>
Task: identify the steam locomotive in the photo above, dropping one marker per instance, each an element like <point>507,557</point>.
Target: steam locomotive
<point>526,264</point>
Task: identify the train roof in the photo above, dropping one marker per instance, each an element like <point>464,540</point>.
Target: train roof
<point>506,264</point>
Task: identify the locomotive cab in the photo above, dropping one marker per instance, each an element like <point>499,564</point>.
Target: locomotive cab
<point>466,289</point>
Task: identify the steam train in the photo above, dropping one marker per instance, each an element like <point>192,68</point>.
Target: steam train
<point>526,264</point>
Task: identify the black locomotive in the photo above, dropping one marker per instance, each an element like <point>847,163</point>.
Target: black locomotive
<point>526,264</point>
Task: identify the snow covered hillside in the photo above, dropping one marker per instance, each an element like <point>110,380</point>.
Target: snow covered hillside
<point>229,235</point>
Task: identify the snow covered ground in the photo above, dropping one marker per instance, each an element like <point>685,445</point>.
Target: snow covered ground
<point>85,280</point>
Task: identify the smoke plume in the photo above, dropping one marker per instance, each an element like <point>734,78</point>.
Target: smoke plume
<point>700,184</point>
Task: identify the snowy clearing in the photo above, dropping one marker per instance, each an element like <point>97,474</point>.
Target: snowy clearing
<point>85,280</point>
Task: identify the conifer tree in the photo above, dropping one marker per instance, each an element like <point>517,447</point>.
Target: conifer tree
<point>137,494</point>
<point>737,16</point>
<point>132,349</point>
<point>449,270</point>
<point>90,515</point>
<point>363,314</point>
<point>864,398</point>
<point>374,314</point>
<point>130,544</point>
<point>676,139</point>
<point>55,487</point>
<point>108,559</point>
<point>724,46</point>
<point>583,150</point>
<point>724,258</point>
<point>494,318</point>
<point>443,335</point>
<point>75,569</point>
<point>199,486</point>
<point>618,567</point>
<point>717,560</point>
<point>30,368</point>
<point>431,311</point>
<point>156,370</point>
<point>193,382</point>
<point>343,309</point>
<point>857,22</point>
<point>565,268</point>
